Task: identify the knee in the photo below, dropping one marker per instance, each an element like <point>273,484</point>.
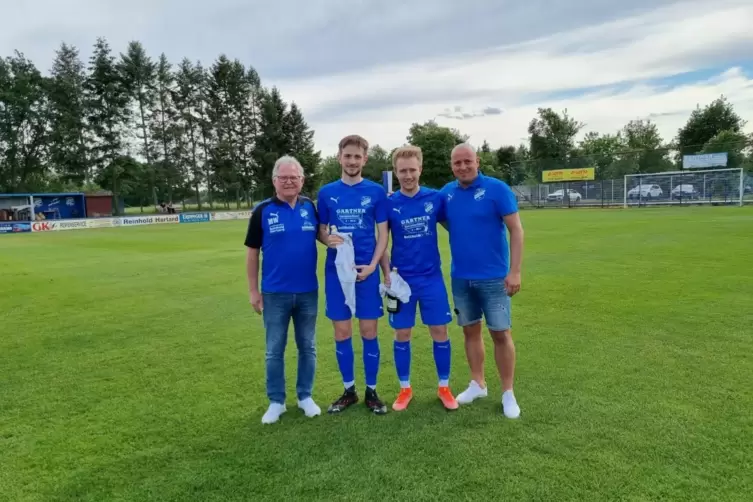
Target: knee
<point>343,331</point>
<point>368,329</point>
<point>501,337</point>
<point>402,335</point>
<point>438,333</point>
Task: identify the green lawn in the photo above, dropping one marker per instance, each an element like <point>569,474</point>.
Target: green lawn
<point>132,368</point>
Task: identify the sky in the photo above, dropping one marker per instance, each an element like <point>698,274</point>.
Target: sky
<point>480,66</point>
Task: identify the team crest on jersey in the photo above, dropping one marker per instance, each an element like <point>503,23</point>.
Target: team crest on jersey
<point>304,213</point>
<point>428,207</point>
<point>479,194</point>
<point>365,201</point>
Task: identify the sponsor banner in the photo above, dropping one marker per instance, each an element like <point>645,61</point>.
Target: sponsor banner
<point>231,215</point>
<point>704,160</point>
<point>195,217</point>
<point>103,223</point>
<point>130,221</point>
<point>583,174</point>
<point>56,225</point>
<point>14,227</point>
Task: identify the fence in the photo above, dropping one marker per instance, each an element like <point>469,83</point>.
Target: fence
<point>649,189</point>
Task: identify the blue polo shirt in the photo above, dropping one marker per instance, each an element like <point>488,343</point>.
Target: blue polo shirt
<point>413,223</point>
<point>478,236</point>
<point>353,209</point>
<point>286,237</point>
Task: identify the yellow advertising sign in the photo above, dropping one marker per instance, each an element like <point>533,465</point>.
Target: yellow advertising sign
<point>582,174</point>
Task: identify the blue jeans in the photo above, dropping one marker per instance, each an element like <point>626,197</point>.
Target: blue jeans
<point>477,298</point>
<point>279,309</point>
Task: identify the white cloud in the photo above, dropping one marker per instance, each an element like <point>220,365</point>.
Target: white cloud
<point>660,43</point>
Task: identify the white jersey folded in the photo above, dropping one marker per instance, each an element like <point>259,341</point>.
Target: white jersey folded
<point>345,263</point>
<point>398,288</point>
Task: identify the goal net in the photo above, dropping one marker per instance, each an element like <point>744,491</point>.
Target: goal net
<point>709,186</point>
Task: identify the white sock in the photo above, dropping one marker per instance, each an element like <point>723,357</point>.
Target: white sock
<point>348,385</point>
<point>404,385</point>
<point>372,387</point>
<point>444,383</point>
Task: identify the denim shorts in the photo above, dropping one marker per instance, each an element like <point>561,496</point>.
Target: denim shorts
<point>475,299</point>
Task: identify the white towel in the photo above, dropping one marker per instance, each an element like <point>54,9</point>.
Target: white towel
<point>345,263</point>
<point>398,288</point>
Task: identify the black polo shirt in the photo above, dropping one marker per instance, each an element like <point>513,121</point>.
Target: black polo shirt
<point>286,237</point>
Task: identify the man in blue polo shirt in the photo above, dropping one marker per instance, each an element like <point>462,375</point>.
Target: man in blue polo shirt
<point>284,229</point>
<point>355,206</point>
<point>485,275</point>
<point>413,216</point>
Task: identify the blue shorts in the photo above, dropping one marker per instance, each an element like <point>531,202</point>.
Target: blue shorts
<point>431,294</point>
<point>485,298</point>
<point>369,303</point>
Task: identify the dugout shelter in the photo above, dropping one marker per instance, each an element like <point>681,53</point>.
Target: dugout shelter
<point>42,206</point>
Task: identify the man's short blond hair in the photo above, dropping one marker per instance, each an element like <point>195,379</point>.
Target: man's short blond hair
<point>407,152</point>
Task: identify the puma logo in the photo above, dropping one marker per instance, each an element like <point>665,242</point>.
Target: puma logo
<point>397,209</point>
<point>334,199</point>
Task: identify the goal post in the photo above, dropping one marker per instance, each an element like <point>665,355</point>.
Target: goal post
<point>707,186</point>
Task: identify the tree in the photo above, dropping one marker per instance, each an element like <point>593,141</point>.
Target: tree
<point>301,140</point>
<point>552,139</point>
<point>733,142</point>
<point>436,143</point>
<point>107,105</point>
<point>23,124</point>
<point>138,73</point>
<point>645,147</point>
<point>704,124</point>
<point>272,142</point>
<point>68,147</point>
<point>602,153</point>
<point>511,165</point>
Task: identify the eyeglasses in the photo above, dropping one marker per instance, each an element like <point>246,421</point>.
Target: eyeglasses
<point>288,179</point>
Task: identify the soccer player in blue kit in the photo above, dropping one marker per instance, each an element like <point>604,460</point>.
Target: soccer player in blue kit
<point>355,206</point>
<point>413,217</point>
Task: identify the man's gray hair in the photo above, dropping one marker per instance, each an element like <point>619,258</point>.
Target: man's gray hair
<point>462,146</point>
<point>284,161</point>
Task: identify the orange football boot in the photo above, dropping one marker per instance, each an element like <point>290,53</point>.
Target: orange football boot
<point>448,400</point>
<point>403,398</point>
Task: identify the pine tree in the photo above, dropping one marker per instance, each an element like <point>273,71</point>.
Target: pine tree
<point>68,149</point>
<point>301,141</point>
<point>272,142</point>
<point>107,106</point>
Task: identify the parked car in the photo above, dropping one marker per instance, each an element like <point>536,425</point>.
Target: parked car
<point>559,196</point>
<point>684,192</point>
<point>645,192</point>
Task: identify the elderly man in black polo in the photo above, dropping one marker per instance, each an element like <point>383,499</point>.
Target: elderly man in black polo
<point>284,229</point>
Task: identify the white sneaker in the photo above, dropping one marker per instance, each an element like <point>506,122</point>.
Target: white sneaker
<point>473,392</point>
<point>509,405</point>
<point>309,407</point>
<point>273,413</point>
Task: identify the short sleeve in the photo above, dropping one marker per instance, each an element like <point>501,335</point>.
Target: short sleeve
<point>322,211</point>
<point>381,208</point>
<point>255,232</point>
<point>505,200</point>
<point>441,207</point>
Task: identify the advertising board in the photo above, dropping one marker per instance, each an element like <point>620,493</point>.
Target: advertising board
<point>103,223</point>
<point>195,217</point>
<point>14,227</point>
<point>582,174</point>
<point>231,215</point>
<point>130,221</point>
<point>55,225</point>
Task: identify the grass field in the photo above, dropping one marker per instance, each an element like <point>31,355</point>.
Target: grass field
<point>131,368</point>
